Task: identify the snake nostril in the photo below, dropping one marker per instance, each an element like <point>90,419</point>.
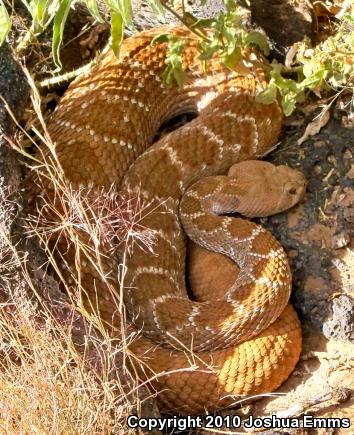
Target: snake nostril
<point>292,191</point>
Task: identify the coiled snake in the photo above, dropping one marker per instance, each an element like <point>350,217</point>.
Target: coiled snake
<point>239,336</point>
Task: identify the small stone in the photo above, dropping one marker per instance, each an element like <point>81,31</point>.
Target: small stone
<point>347,154</point>
<point>340,240</point>
<point>332,160</point>
<point>341,324</point>
<point>317,168</point>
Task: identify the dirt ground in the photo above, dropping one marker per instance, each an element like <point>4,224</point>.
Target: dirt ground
<point>318,236</point>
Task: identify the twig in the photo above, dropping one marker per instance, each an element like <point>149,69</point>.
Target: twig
<point>185,22</point>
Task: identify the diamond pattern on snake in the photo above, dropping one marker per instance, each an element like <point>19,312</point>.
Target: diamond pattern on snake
<point>237,335</point>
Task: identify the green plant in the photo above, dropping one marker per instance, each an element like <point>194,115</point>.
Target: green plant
<point>224,34</point>
<point>324,68</point>
<point>5,23</point>
<point>55,12</point>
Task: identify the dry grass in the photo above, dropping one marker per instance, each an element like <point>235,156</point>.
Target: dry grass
<point>60,370</point>
<point>46,386</point>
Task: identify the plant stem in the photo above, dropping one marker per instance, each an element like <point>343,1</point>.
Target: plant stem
<point>184,22</point>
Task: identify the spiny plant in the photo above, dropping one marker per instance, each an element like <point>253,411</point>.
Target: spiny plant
<point>61,371</point>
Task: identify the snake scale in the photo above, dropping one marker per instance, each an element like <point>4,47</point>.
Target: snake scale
<point>238,335</point>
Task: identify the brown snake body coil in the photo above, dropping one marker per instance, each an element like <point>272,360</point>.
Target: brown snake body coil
<point>248,340</point>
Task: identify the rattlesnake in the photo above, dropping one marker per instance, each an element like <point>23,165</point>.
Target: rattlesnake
<point>243,342</point>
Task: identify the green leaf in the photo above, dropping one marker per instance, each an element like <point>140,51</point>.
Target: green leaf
<point>337,79</point>
<point>284,85</point>
<point>230,5</point>
<point>207,50</point>
<point>230,60</point>
<point>125,7</point>
<point>164,37</point>
<point>259,40</point>
<point>157,8</point>
<point>39,14</point>
<point>349,17</point>
<point>167,75</point>
<point>349,68</point>
<point>309,67</point>
<point>173,73</point>
<point>269,95</point>
<point>314,80</point>
<point>117,31</point>
<point>201,23</point>
<point>5,23</point>
<point>58,29</point>
<point>174,68</point>
<point>229,33</point>
<point>351,38</point>
<point>289,103</point>
<point>92,6</point>
<point>179,76</point>
<point>289,90</point>
<point>122,7</point>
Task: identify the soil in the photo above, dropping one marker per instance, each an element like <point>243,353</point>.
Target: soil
<point>318,236</point>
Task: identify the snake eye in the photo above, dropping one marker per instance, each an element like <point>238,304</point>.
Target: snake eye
<point>292,191</point>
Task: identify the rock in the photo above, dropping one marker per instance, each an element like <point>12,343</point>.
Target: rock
<point>283,21</point>
<point>341,324</point>
<point>14,90</point>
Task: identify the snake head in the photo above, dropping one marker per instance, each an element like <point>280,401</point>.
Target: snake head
<point>292,186</point>
<point>267,189</point>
